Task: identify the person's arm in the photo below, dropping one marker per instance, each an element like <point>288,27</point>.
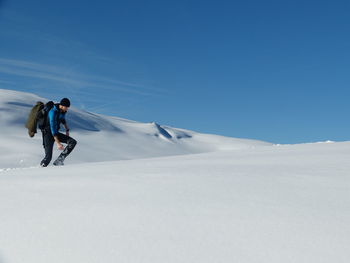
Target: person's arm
<point>67,129</point>
<point>53,127</point>
<point>58,143</point>
<point>64,122</point>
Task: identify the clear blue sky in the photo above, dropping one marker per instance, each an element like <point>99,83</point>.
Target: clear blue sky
<point>271,70</point>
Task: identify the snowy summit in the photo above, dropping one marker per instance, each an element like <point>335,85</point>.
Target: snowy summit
<point>144,192</point>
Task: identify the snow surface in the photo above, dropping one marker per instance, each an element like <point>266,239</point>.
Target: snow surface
<point>143,192</point>
<point>100,138</point>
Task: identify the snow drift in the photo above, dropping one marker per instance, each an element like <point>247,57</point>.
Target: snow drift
<point>201,198</point>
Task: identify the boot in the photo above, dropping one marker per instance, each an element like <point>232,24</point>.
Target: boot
<point>59,161</point>
<point>69,148</point>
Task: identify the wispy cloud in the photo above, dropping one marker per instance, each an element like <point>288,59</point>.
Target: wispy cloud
<point>50,62</point>
<point>65,76</point>
<point>6,82</point>
<point>21,28</point>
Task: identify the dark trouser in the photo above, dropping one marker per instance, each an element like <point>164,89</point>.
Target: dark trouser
<point>48,142</point>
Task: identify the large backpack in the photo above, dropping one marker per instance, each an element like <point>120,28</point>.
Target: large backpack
<point>38,117</point>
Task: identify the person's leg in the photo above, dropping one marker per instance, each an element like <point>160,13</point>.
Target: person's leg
<point>71,143</point>
<point>48,142</point>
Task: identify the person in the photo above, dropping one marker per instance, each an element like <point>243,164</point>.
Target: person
<point>51,134</point>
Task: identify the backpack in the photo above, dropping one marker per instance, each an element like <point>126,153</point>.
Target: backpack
<point>38,117</point>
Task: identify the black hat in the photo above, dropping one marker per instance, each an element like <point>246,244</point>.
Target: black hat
<point>65,102</point>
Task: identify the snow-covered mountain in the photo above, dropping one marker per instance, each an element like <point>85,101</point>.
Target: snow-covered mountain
<point>100,138</point>
<point>146,193</point>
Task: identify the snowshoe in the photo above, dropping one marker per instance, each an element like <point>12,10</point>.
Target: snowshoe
<point>58,162</point>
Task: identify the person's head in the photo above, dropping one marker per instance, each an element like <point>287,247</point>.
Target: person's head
<point>64,104</point>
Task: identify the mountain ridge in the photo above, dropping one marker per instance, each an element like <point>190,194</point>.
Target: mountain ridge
<point>102,138</point>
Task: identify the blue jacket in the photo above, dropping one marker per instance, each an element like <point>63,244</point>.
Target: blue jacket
<point>56,117</point>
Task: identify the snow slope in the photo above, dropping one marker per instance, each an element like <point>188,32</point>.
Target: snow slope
<point>100,138</point>
<point>228,200</point>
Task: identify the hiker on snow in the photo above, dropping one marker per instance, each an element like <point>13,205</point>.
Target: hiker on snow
<point>51,134</point>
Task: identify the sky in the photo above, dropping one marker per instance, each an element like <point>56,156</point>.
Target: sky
<point>276,71</point>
